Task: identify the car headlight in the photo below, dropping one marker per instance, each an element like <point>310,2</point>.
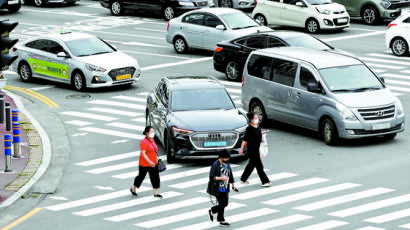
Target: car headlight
<point>94,68</point>
<point>178,131</point>
<point>399,108</point>
<point>385,3</point>
<point>346,113</point>
<point>186,3</point>
<point>323,11</point>
<point>241,129</point>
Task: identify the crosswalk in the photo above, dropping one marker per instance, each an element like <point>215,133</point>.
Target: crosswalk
<point>292,202</point>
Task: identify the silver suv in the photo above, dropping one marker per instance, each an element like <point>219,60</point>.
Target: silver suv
<point>335,94</point>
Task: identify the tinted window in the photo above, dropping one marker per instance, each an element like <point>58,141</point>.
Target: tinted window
<point>201,99</point>
<point>240,41</point>
<point>306,77</point>
<point>55,48</point>
<point>293,2</point>
<point>256,42</point>
<point>274,42</point>
<point>38,44</point>
<point>307,41</point>
<point>284,72</point>
<point>212,21</point>
<point>259,66</point>
<point>194,19</point>
<point>88,46</point>
<point>407,20</point>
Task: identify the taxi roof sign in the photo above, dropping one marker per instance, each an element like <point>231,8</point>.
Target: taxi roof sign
<point>65,31</point>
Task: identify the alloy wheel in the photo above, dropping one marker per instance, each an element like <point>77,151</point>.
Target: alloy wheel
<point>258,110</point>
<point>116,8</point>
<point>169,13</point>
<point>25,72</point>
<point>226,3</point>
<point>78,81</point>
<point>261,20</point>
<point>38,2</point>
<point>327,132</point>
<point>369,15</point>
<point>399,47</point>
<point>180,45</point>
<point>232,71</point>
<point>312,26</point>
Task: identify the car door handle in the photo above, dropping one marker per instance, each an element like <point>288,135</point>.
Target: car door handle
<point>298,94</point>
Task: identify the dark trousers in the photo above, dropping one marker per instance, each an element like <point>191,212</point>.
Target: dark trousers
<point>254,162</point>
<point>153,176</point>
<point>222,198</point>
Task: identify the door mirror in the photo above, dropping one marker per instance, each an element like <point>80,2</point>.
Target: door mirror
<point>314,87</point>
<point>382,79</point>
<point>300,4</point>
<point>220,27</point>
<point>63,55</point>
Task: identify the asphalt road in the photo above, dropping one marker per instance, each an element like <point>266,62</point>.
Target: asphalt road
<point>358,184</point>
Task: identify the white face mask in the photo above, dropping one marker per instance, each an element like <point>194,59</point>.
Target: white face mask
<point>152,135</point>
<point>256,121</point>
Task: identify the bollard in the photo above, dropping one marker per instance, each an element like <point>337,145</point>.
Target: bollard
<point>7,152</point>
<point>8,117</point>
<point>2,108</point>
<point>16,140</point>
<point>15,115</point>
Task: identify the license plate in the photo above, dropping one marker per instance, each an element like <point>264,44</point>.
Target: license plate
<point>13,2</point>
<point>381,126</point>
<point>342,20</point>
<point>214,144</point>
<point>122,77</point>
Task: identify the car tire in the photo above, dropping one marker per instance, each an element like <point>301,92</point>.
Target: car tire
<point>370,15</point>
<point>168,12</point>
<point>25,72</point>
<point>180,45</point>
<point>38,2</point>
<point>14,8</point>
<point>170,155</point>
<point>329,132</point>
<point>390,136</point>
<point>399,47</point>
<point>258,108</point>
<point>116,8</point>
<point>259,18</point>
<point>312,26</point>
<point>78,81</point>
<point>232,71</point>
<point>225,3</point>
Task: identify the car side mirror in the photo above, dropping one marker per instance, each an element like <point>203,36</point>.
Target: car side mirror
<point>300,4</point>
<point>314,87</point>
<point>220,27</point>
<point>63,54</point>
<point>382,79</point>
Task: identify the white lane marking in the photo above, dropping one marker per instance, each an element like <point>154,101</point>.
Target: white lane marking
<point>389,216</point>
<point>129,35</point>
<point>59,12</point>
<point>127,98</point>
<point>407,226</point>
<point>119,141</point>
<point>42,87</point>
<point>118,104</point>
<point>106,188</point>
<point>402,83</point>
<point>79,134</point>
<point>406,77</point>
<point>235,218</point>
<point>350,28</point>
<point>385,61</point>
<point>143,93</point>
<point>109,159</point>
<point>183,216</point>
<point>388,56</point>
<point>89,116</point>
<point>279,188</point>
<point>370,228</point>
<point>379,70</point>
<point>112,133</point>
<point>126,126</point>
<point>134,174</point>
<point>158,209</point>
<point>311,193</point>
<point>277,222</point>
<point>396,94</point>
<point>137,44</point>
<point>58,198</point>
<point>383,66</point>
<point>237,84</point>
<point>146,20</point>
<point>125,204</point>
<point>141,119</point>
<point>324,225</point>
<point>398,88</point>
<point>230,90</point>
<point>405,71</point>
<point>78,123</point>
<point>154,30</point>
<point>153,54</point>
<point>114,111</point>
<point>132,164</point>
<point>176,63</point>
<point>371,206</point>
<point>94,199</point>
<point>354,36</point>
<point>343,199</point>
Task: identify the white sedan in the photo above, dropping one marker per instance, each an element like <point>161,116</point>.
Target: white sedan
<point>398,34</point>
<point>79,59</point>
<point>204,28</point>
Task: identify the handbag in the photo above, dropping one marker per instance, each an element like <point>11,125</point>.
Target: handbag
<point>211,189</point>
<point>161,165</point>
<point>263,149</point>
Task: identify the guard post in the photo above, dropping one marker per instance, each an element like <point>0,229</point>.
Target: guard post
<point>1,108</point>
<point>7,152</point>
<point>15,115</point>
<point>16,140</point>
<point>8,117</point>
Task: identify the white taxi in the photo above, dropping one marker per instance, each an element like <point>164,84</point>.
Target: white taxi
<point>398,34</point>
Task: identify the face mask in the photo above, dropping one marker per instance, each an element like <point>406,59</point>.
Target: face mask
<point>152,135</point>
<point>256,121</point>
<point>225,162</point>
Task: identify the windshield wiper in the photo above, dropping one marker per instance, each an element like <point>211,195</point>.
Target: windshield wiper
<point>244,27</point>
<point>365,88</point>
<point>103,52</point>
<point>342,90</point>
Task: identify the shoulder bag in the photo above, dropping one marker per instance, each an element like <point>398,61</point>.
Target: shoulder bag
<point>161,165</point>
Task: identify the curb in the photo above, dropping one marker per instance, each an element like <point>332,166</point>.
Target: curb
<point>46,156</point>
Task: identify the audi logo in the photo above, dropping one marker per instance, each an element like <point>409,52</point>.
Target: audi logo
<point>214,135</point>
<point>379,113</point>
<point>122,70</point>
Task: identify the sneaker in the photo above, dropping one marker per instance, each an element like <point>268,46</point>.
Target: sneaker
<point>224,223</point>
<point>266,184</point>
<point>211,216</point>
<point>158,195</point>
<point>244,182</point>
<point>133,193</point>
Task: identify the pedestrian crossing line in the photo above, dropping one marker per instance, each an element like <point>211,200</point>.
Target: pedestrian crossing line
<point>311,193</point>
<point>385,61</point>
<point>398,88</point>
<point>403,83</point>
<point>109,159</point>
<point>389,216</point>
<point>126,204</point>
<point>134,173</point>
<point>140,119</point>
<point>118,104</point>
<point>78,123</point>
<point>391,75</point>
<point>344,199</point>
<point>372,206</point>
<point>379,70</point>
<point>277,222</point>
<point>235,218</point>
<point>94,199</point>
<point>112,133</point>
<point>127,98</point>
<point>132,164</point>
<point>89,116</point>
<point>237,102</point>
<point>230,83</point>
<point>407,226</point>
<point>237,91</point>
<point>114,111</point>
<point>370,228</point>
<point>388,56</point>
<point>279,188</point>
<point>158,209</point>
<point>235,97</point>
<point>126,126</point>
<point>184,216</point>
<point>324,225</point>
<point>405,71</point>
<point>396,94</point>
<point>143,93</point>
<point>384,66</point>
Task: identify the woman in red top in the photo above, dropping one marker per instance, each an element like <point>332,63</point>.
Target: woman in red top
<point>148,162</point>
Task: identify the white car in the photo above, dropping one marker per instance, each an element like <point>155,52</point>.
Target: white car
<point>237,4</point>
<point>314,15</point>
<point>398,34</point>
<point>204,28</point>
<point>79,59</point>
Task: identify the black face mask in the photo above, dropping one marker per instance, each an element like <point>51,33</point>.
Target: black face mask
<point>225,162</point>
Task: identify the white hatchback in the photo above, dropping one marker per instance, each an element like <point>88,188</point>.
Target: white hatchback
<point>314,15</point>
<point>398,34</point>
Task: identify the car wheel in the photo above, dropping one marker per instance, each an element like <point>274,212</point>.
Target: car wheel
<point>390,136</point>
<point>170,154</point>
<point>14,8</point>
<point>258,108</point>
<point>312,26</point>
<point>261,20</point>
<point>38,2</point>
<point>116,8</point>
<point>169,13</point>
<point>225,3</point>
<point>370,15</point>
<point>329,132</point>
<point>180,45</point>
<point>232,71</point>
<point>25,72</point>
<point>399,47</point>
<point>78,81</point>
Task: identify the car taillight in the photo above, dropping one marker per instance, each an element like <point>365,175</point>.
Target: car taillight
<point>168,26</point>
<point>243,79</point>
<point>14,49</point>
<point>256,2</point>
<point>218,49</point>
<point>391,24</point>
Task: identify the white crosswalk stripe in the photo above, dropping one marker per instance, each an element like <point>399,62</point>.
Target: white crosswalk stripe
<point>118,104</point>
<point>134,173</point>
<point>370,228</point>
<point>109,158</point>
<point>126,126</point>
<point>389,216</point>
<point>406,226</point>
<point>277,222</point>
<point>112,133</point>
<point>127,98</point>
<point>115,111</point>
<point>78,123</point>
<point>89,116</point>
<point>325,225</point>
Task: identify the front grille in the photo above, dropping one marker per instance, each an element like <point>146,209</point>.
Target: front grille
<point>201,3</point>
<point>377,113</point>
<point>199,139</point>
<point>121,71</point>
<point>368,132</point>
<point>340,24</point>
<point>338,12</point>
<point>399,4</point>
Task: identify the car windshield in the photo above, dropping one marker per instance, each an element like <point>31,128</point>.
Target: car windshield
<point>353,78</point>
<point>200,99</point>
<point>239,21</point>
<point>319,2</point>
<point>88,47</point>
<point>307,41</point>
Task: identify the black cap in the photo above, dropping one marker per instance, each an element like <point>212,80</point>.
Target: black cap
<point>225,153</point>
